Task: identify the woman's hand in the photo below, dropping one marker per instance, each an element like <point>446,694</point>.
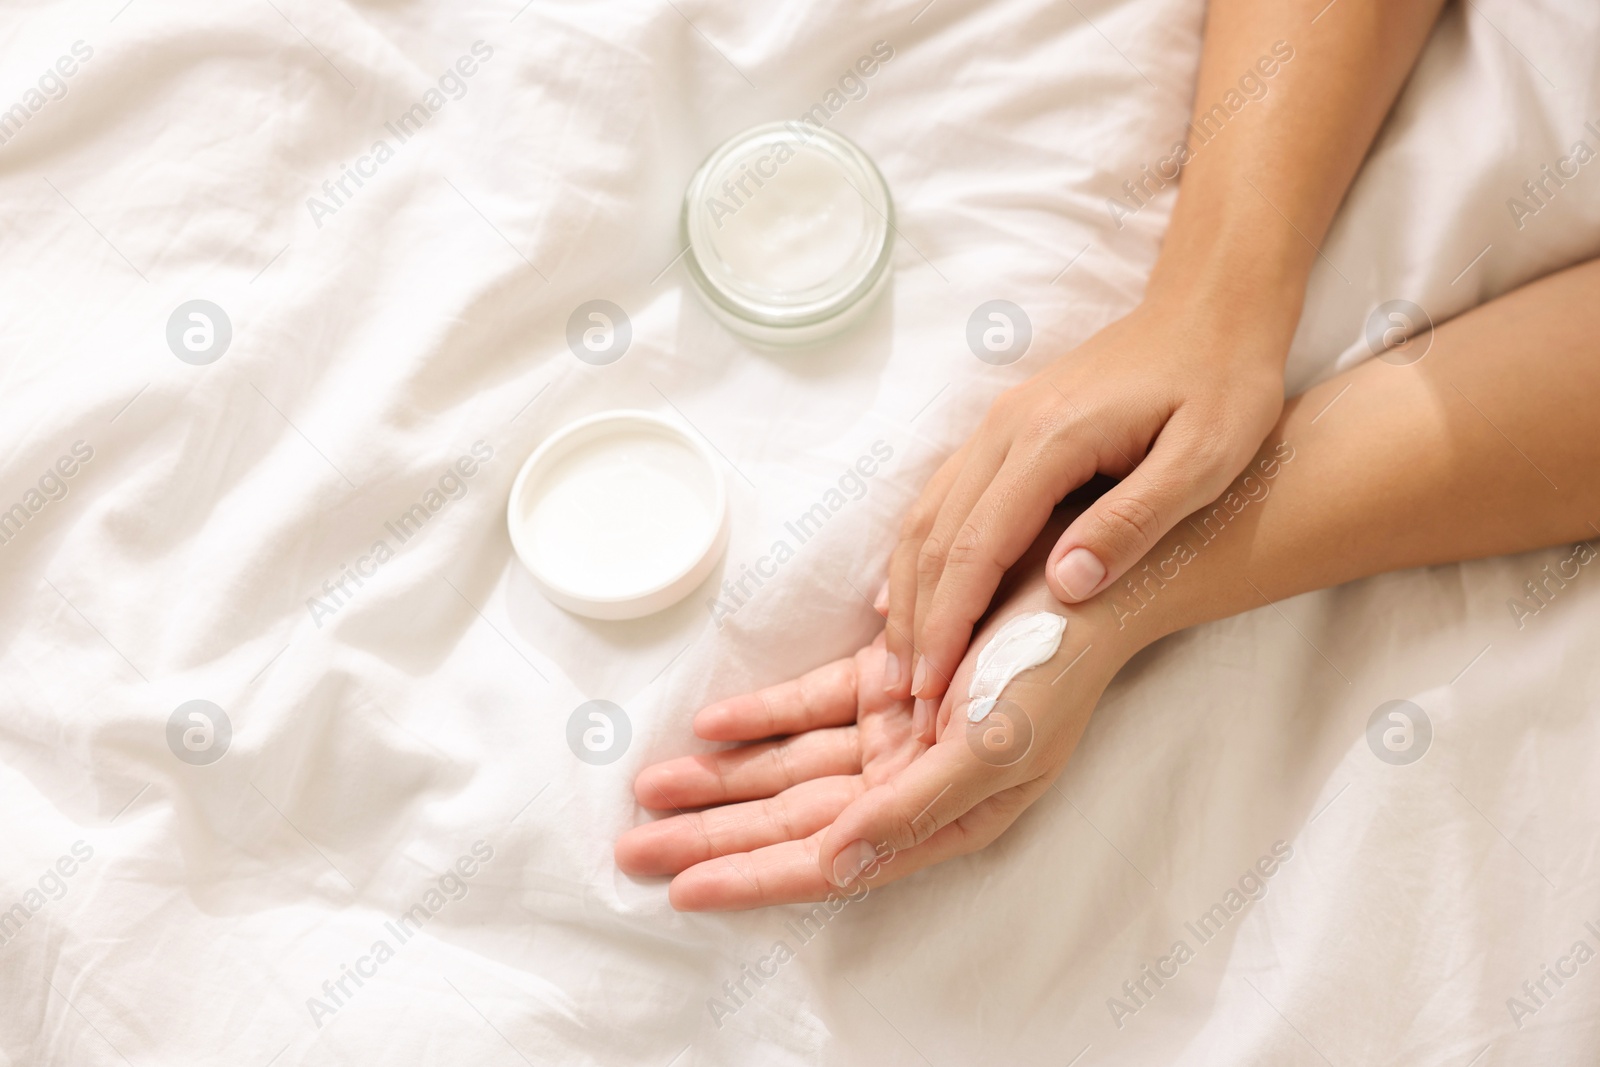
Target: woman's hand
<point>1173,399</point>
<point>1411,473</point>
<point>767,803</point>
<point>1177,395</point>
<point>855,786</point>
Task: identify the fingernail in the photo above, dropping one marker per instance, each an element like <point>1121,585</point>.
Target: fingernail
<point>921,714</point>
<point>854,858</point>
<point>920,676</point>
<point>881,601</point>
<point>891,672</point>
<point>1079,573</point>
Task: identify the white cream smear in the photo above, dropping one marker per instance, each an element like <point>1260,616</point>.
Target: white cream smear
<point>621,515</point>
<point>1026,641</point>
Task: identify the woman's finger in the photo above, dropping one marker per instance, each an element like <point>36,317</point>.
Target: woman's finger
<point>943,542</point>
<point>749,772</point>
<point>899,630</point>
<point>668,846</point>
<point>1188,465</point>
<point>937,788</point>
<point>781,873</point>
<point>1001,525</point>
<point>789,872</point>
<point>823,697</point>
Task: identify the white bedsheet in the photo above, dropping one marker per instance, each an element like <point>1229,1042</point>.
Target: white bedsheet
<point>378,335</point>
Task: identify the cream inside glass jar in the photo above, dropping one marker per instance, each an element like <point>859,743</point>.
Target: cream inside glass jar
<point>790,229</point>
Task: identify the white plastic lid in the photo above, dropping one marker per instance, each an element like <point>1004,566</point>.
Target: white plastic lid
<point>619,515</point>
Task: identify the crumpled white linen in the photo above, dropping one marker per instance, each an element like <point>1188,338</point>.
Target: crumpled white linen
<point>398,771</point>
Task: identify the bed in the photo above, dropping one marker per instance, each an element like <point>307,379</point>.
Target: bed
<point>374,843</point>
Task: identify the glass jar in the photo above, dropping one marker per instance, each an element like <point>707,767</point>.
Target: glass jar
<point>790,229</point>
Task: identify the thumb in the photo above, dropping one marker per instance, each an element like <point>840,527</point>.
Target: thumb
<point>933,791</point>
<point>1127,521</point>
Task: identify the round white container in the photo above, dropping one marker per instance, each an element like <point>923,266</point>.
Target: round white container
<point>619,515</point>
<point>790,229</point>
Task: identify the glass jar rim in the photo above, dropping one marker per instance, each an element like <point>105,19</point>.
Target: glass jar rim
<point>857,168</point>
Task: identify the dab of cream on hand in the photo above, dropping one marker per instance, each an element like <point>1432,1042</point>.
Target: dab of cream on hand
<point>1024,642</point>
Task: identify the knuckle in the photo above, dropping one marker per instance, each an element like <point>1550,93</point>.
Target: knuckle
<point>1213,452</point>
<point>979,834</point>
<point>1129,521</point>
<point>918,521</point>
<point>967,547</point>
<point>787,772</point>
<point>1041,426</point>
<point>910,830</point>
<point>930,558</point>
<point>1004,407</point>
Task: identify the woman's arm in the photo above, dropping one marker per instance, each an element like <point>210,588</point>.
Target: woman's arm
<point>1490,444</point>
<point>1174,398</point>
<point>1298,145</point>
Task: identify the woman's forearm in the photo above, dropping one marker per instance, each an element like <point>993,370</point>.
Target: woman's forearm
<point>1179,391</point>
<point>1488,445</point>
<point>1288,100</point>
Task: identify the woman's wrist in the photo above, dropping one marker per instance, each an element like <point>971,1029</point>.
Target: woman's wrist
<point>1120,626</point>
<point>1098,640</point>
<point>1233,277</point>
<point>1200,563</point>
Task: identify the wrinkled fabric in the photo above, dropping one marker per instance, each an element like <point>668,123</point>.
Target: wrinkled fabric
<point>394,724</point>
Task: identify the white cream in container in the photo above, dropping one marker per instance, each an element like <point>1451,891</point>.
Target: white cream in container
<point>1021,644</point>
<point>790,229</point>
<point>619,515</point>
